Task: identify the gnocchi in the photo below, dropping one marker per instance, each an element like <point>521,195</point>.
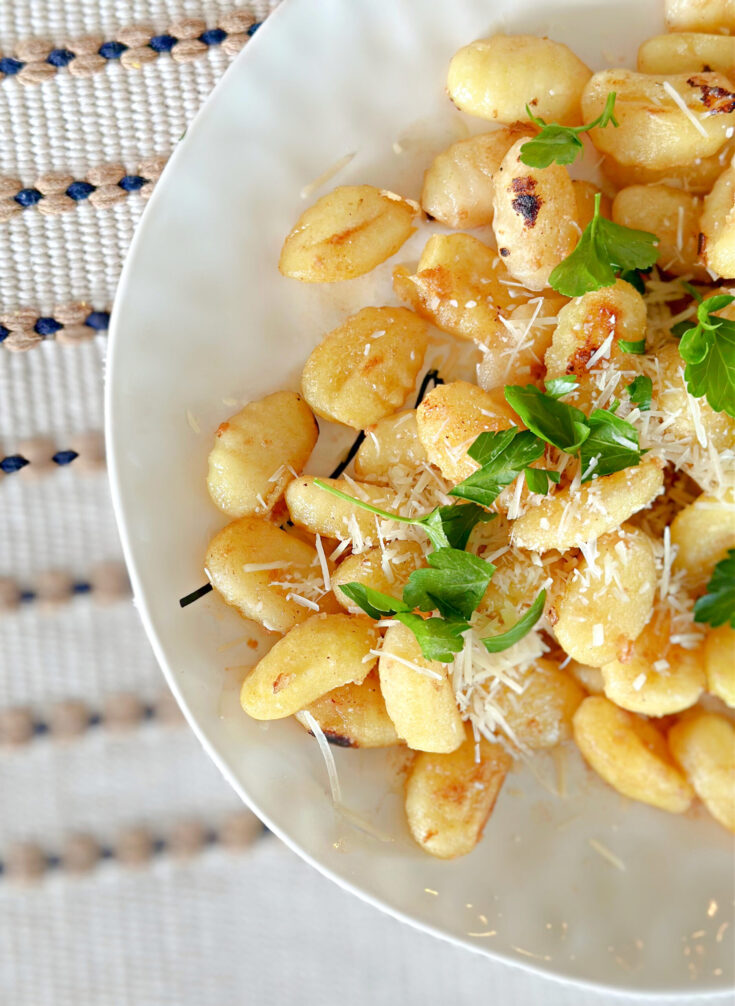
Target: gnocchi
<point>353,716</point>
<point>700,15</point>
<point>322,513</point>
<point>687,52</point>
<point>673,216</point>
<point>384,570</point>
<point>719,662</point>
<point>257,452</point>
<point>703,744</point>
<point>717,238</point>
<point>390,443</point>
<point>362,371</point>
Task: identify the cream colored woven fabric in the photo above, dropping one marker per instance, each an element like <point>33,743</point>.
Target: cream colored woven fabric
<point>173,915</point>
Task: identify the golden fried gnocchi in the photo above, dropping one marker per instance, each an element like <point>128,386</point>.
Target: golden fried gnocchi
<point>458,185</point>
<point>449,797</point>
<point>717,225</point>
<point>700,15</point>
<point>655,130</point>
<point>540,717</point>
<point>701,534</point>
<point>630,754</point>
<point>320,654</point>
<point>703,744</point>
<point>266,573</point>
<point>258,451</point>
<point>362,371</point>
<point>418,694</point>
<point>353,716</point>
<point>450,419</point>
<point>570,518</point>
<point>346,234</point>
<point>673,216</point>
<point>608,599</point>
<point>495,78</point>
<point>514,352</point>
<point>534,219</point>
<point>719,662</point>
<point>696,176</point>
<point>392,442</point>
<point>322,513</point>
<point>687,417</point>
<point>687,52</point>
<point>458,285</point>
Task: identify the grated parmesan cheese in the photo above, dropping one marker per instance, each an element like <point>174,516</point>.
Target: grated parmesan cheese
<point>326,751</point>
<point>678,100</point>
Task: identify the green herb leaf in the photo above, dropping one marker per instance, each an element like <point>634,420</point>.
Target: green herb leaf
<point>635,279</point>
<point>453,584</point>
<point>503,456</point>
<point>438,638</point>
<point>451,526</point>
<point>538,479</point>
<point>638,347</point>
<point>561,144</point>
<point>504,640</point>
<point>557,387</point>
<point>680,328</point>
<point>373,602</point>
<point>692,291</point>
<point>604,250</point>
<point>640,392</point>
<point>717,606</point>
<point>555,422</point>
<point>611,446</point>
<point>708,349</point>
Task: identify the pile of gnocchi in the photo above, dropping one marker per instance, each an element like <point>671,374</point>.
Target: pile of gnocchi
<point>541,550</point>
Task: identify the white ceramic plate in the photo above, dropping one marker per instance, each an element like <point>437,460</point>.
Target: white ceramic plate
<point>203,320</point>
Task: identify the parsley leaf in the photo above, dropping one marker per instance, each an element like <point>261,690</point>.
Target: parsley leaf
<point>717,606</point>
<point>439,639</point>
<point>611,446</point>
<point>640,391</point>
<point>504,640</point>
<point>557,387</point>
<point>537,479</point>
<point>604,250</point>
<point>638,347</point>
<point>708,349</point>
<point>373,602</point>
<point>453,584</point>
<point>451,526</point>
<point>503,456</point>
<point>561,143</point>
<point>635,279</point>
<point>555,422</point>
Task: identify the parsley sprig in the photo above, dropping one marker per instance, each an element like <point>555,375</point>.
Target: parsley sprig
<point>717,606</point>
<point>603,252</point>
<point>561,143</point>
<point>708,349</point>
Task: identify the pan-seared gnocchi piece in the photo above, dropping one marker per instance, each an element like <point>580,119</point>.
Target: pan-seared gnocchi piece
<point>514,352</point>
<point>584,196</point>
<point>717,238</point>
<point>346,234</point>
<point>258,569</point>
<point>688,417</point>
<point>322,513</point>
<point>703,744</point>
<point>458,185</point>
<point>541,716</point>
<point>702,533</point>
<point>588,335</point>
<point>320,654</point>
<point>700,15</point>
<point>719,662</point>
<point>384,569</point>
<point>608,599</point>
<point>569,518</point>
<point>535,218</point>
<point>418,694</point>
<point>516,581</point>
<point>672,215</point>
<point>449,797</point>
<point>696,176</point>
<point>392,442</point>
<point>255,450</point>
<point>495,78</point>
<point>458,285</point>
<point>655,677</point>
<point>654,129</point>
<point>630,755</point>
<point>687,52</point>
<point>353,716</point>
<point>450,419</point>
<point>362,371</point>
